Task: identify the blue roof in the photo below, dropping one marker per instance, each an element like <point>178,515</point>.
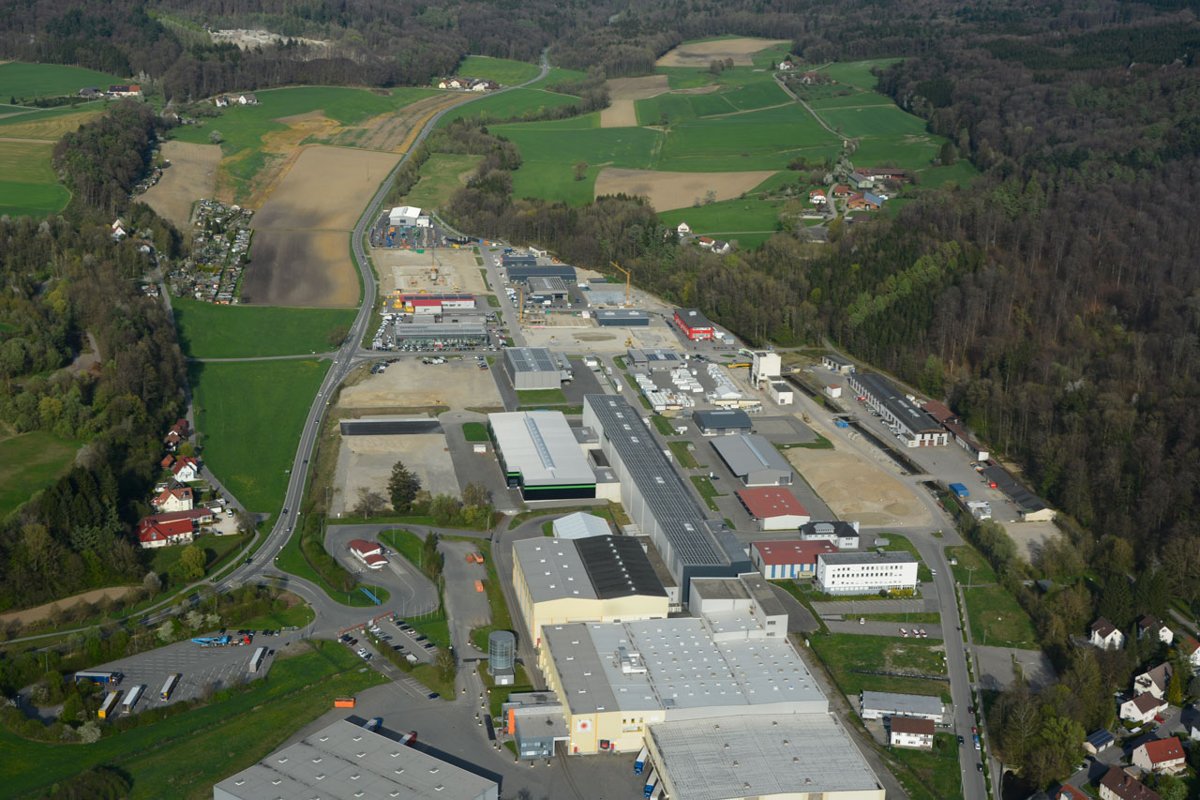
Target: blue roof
<point>1100,738</point>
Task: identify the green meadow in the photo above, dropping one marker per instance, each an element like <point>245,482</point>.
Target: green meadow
<point>250,415</point>
<point>21,80</point>
<point>207,330</point>
<point>29,462</point>
<point>512,104</point>
<point>501,70</point>
<point>440,179</point>
<point>29,186</point>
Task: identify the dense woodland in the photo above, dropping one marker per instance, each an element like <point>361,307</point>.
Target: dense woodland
<point>68,288</point>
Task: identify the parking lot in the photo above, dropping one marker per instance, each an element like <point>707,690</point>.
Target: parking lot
<point>200,668</point>
<point>402,638</point>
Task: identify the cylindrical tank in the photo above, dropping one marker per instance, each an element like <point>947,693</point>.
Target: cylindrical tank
<point>502,651</point>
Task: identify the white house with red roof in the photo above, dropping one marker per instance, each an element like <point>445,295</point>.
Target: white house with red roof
<point>186,469</point>
<point>174,498</point>
<point>788,558</point>
<point>1190,649</point>
<point>1117,784</point>
<point>1164,756</point>
<point>774,508</point>
<point>1142,708</point>
<point>369,553</point>
<point>176,527</point>
<point>916,734</point>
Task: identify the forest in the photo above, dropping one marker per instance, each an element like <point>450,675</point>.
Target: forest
<point>69,288</point>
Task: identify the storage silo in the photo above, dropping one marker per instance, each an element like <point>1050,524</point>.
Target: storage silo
<point>502,656</point>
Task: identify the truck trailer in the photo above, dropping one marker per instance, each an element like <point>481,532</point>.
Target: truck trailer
<point>639,763</point>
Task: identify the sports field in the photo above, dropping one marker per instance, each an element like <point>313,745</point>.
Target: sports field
<point>184,755</point>
<point>501,70</point>
<point>27,81</point>
<point>29,462</point>
<point>207,330</point>
<point>250,415</point>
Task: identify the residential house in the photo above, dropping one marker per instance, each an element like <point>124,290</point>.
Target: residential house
<point>721,247</point>
<point>683,229</point>
<point>452,83</point>
<point>1189,648</point>
<point>1117,784</point>
<point>220,101</point>
<point>1104,634</point>
<point>186,469</point>
<point>125,90</point>
<point>1142,709</point>
<point>786,66</point>
<point>1162,756</point>
<point>484,86</point>
<point>90,92</point>
<point>1152,626</point>
<point>179,431</point>
<point>874,201</point>
<point>841,190</point>
<point>118,229</point>
<point>152,534</point>
<point>1153,681</point>
<point>706,242</point>
<point>1069,792</point>
<point>173,498</point>
<point>817,197</point>
<point>810,77</point>
<point>913,733</point>
<point>856,203</point>
<point>248,99</point>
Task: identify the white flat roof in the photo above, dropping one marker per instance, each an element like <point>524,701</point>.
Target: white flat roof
<point>405,211</point>
<point>762,756</point>
<point>541,446</point>
<point>553,569</point>
<point>346,761</point>
<point>580,525</point>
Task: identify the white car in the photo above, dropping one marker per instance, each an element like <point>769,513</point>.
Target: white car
<point>362,653</point>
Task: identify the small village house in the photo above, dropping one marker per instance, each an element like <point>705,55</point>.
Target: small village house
<point>1105,635</point>
<point>1161,756</point>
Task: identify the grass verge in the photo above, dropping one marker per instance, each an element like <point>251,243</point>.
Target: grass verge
<point>684,454</point>
<point>707,491</point>
<point>475,432</point>
<point>855,660</point>
<point>928,774</point>
<point>996,617</point>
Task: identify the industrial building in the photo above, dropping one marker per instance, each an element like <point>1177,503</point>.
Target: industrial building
<point>536,368</point>
<point>841,366</point>
<point>518,260</point>
<point>621,318</point>
<point>579,525</point>
<point>842,534</point>
<point>739,608</point>
<point>522,272</point>
<point>552,289</point>
<point>653,360</point>
<point>433,335</point>
<point>913,425</point>
<point>866,573</point>
<point>404,215</point>
<point>788,558</point>
<point>598,579</point>
<point>346,762</point>
<point>754,460</point>
<point>764,756</point>
<point>535,721</point>
<point>773,508</point>
<point>878,705</point>
<point>694,324</point>
<point>656,498</point>
<point>615,679</point>
<point>722,422</point>
<point>1029,505</point>
<point>781,393</point>
<point>418,304</point>
<point>765,367</point>
<point>539,454</point>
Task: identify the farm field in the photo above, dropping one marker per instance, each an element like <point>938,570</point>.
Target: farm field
<point>26,81</point>
<point>668,190</point>
<point>30,462</point>
<point>852,659</point>
<point>858,73</point>
<point>29,185</point>
<point>250,415</point>
<point>623,94</point>
<point>207,330</point>
<point>501,70</point>
<point>184,755</point>
<point>558,75</point>
<point>513,104</point>
<point>701,53</point>
<point>766,139</point>
<point>49,124</point>
<point>730,219</point>
<point>191,176</point>
<point>441,176</point>
<point>996,618</point>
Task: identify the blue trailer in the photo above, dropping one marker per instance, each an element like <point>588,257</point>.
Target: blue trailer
<point>960,490</point>
<point>639,763</point>
<point>841,423</point>
<point>651,782</point>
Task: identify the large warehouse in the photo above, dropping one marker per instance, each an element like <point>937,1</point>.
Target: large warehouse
<point>694,324</point>
<point>522,272</point>
<point>754,460</point>
<point>914,426</point>
<point>598,579</point>
<point>877,705</point>
<point>773,508</point>
<point>761,756</point>
<point>621,318</point>
<point>656,499</point>
<point>404,215</point>
<point>539,453</point>
<point>722,422</point>
<point>347,761</point>
<point>788,558</point>
<point>865,573</point>
<point>616,678</point>
<point>536,368</point>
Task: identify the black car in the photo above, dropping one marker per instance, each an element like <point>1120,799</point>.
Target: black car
<point>433,695</point>
<point>961,740</point>
<point>979,766</point>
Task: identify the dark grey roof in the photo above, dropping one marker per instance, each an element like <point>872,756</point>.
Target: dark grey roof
<point>618,567</point>
<point>1100,738</point>
<point>518,259</point>
<point>694,317</point>
<point>523,272</point>
<point>534,359</point>
<point>915,419</point>
<point>727,418</point>
<point>1005,482</point>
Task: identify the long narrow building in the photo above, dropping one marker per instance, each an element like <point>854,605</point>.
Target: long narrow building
<point>657,500</point>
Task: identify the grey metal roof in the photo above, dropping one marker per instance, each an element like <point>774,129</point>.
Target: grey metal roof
<point>667,499</point>
<point>761,756</point>
<point>439,330</point>
<point>914,418</point>
<point>617,567</point>
<point>553,569</point>
<point>1005,482</point>
<point>894,703</point>
<point>346,762</point>
<point>551,284</point>
<point>694,317</point>
<point>580,525</point>
<point>655,356</point>
<point>541,446</point>
<point>533,359</point>
<point>822,529</point>
<point>620,315</point>
<point>893,557</point>
<point>723,419</point>
<point>676,665</point>
<point>748,452</point>
<point>524,271</point>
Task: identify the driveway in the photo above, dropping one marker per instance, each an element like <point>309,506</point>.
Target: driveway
<point>466,608</point>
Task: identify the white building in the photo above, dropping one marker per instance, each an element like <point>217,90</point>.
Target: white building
<point>865,573</point>
<point>684,229</point>
<point>1152,626</point>
<point>539,454</point>
<point>1153,681</point>
<point>878,705</point>
<point>912,425</point>
<point>403,215</point>
<point>1105,635</point>
<point>837,364</point>
<point>765,367</point>
<point>1162,756</point>
<point>369,553</point>
<point>841,533</point>
<point>580,525</point>
<point>916,734</point>
<point>781,393</point>
<point>1142,709</point>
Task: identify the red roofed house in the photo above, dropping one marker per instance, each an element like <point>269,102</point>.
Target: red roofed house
<point>1142,708</point>
<point>706,242</point>
<point>177,527</point>
<point>1164,756</point>
<point>179,431</point>
<point>841,190</point>
<point>1069,792</point>
<point>186,469</point>
<point>817,197</point>
<point>1191,650</point>
<point>775,508</point>
<point>166,462</point>
<point>1120,785</point>
<point>788,558</point>
<point>178,498</point>
<point>369,553</point>
<point>909,732</point>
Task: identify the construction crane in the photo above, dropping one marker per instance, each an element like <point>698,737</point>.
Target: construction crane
<point>627,279</point>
